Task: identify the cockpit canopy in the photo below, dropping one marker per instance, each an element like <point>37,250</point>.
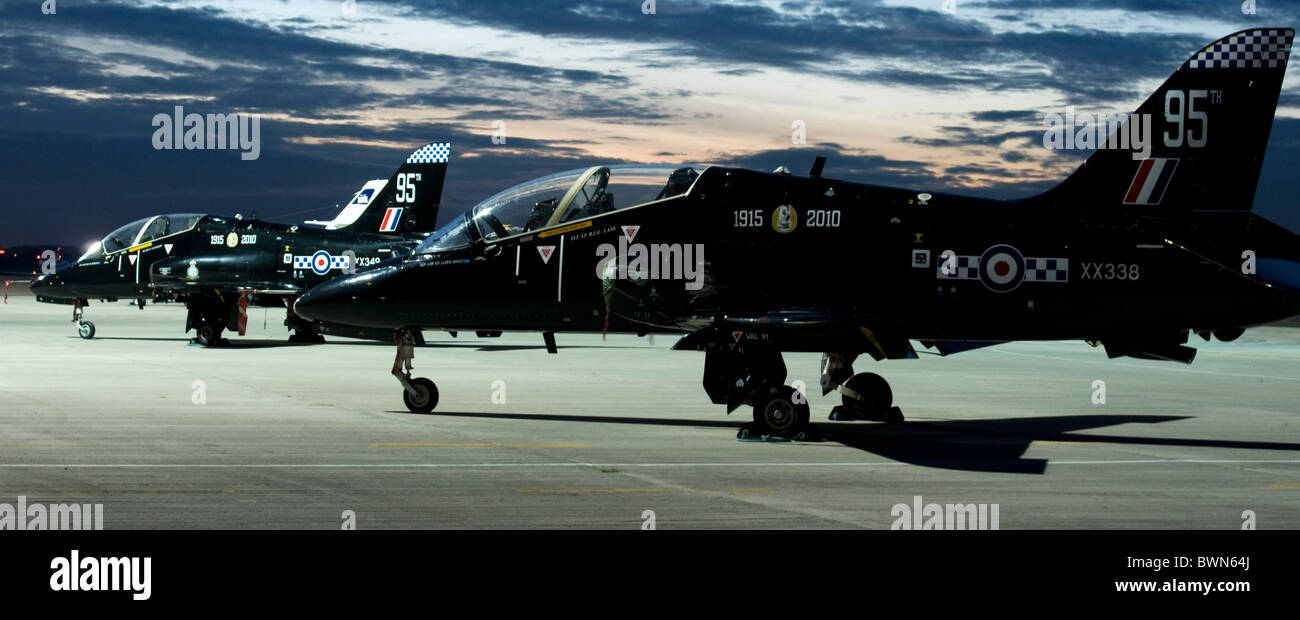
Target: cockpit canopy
<point>142,231</point>
<point>561,198</point>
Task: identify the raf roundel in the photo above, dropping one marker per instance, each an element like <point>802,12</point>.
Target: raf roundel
<point>1002,268</point>
<point>320,262</point>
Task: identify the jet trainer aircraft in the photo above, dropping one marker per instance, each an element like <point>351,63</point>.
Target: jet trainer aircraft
<point>218,265</point>
<point>1133,252</point>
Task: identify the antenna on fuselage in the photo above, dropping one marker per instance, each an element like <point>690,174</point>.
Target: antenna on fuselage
<point>818,164</point>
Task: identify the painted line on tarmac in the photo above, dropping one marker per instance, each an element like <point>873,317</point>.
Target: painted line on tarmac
<point>480,445</point>
<point>649,490</point>
<point>1048,442</point>
<point>576,491</point>
<point>581,464</point>
<point>139,492</point>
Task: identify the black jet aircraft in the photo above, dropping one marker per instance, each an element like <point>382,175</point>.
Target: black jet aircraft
<point>217,265</point>
<point>1141,246</point>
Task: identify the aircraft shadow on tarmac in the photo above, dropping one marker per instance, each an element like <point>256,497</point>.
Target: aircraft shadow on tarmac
<point>233,344</point>
<point>993,445</point>
<point>525,347</point>
<point>244,343</point>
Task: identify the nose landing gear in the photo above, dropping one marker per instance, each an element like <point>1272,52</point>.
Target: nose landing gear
<point>419,394</point>
<point>85,328</point>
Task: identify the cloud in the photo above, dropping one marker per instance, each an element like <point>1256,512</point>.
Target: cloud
<point>900,45</point>
<point>78,95</point>
<point>1227,10</point>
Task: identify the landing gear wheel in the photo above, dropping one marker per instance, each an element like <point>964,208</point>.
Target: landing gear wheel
<point>875,400</point>
<point>86,330</point>
<point>425,397</point>
<point>208,335</point>
<point>783,411</point>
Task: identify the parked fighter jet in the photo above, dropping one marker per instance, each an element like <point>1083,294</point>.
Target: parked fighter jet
<point>1133,252</point>
<point>217,265</point>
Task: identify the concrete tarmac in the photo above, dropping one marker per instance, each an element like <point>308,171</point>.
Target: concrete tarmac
<point>264,434</point>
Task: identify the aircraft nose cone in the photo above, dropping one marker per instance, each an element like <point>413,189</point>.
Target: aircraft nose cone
<point>50,285</point>
<point>345,300</point>
<point>42,284</point>
<point>358,300</point>
<point>324,302</point>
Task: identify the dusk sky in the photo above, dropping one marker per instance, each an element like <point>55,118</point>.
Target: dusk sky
<point>896,92</point>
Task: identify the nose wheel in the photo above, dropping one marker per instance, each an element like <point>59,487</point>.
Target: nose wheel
<point>419,394</point>
<point>85,328</point>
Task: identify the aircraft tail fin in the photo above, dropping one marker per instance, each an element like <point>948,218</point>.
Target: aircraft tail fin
<point>1198,142</point>
<point>403,204</point>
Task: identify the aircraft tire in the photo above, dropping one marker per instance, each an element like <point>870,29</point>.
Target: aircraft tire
<point>781,412</point>
<point>86,330</point>
<point>877,397</point>
<point>426,399</point>
<point>208,336</point>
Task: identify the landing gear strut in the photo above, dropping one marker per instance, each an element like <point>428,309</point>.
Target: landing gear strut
<point>419,394</point>
<point>865,395</point>
<point>735,376</point>
<point>208,320</point>
<point>782,410</point>
<point>85,328</point>
<point>303,331</point>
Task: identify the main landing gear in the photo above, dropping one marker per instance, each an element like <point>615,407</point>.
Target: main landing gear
<point>865,395</point>
<point>783,411</point>
<point>738,376</point>
<point>419,394</point>
<point>208,319</point>
<point>303,331</point>
<point>85,328</point>
<point>749,374</point>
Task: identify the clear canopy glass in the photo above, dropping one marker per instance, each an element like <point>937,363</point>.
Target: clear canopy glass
<point>143,230</point>
<point>562,198</point>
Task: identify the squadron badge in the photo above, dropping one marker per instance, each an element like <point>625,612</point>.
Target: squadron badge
<point>785,219</point>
